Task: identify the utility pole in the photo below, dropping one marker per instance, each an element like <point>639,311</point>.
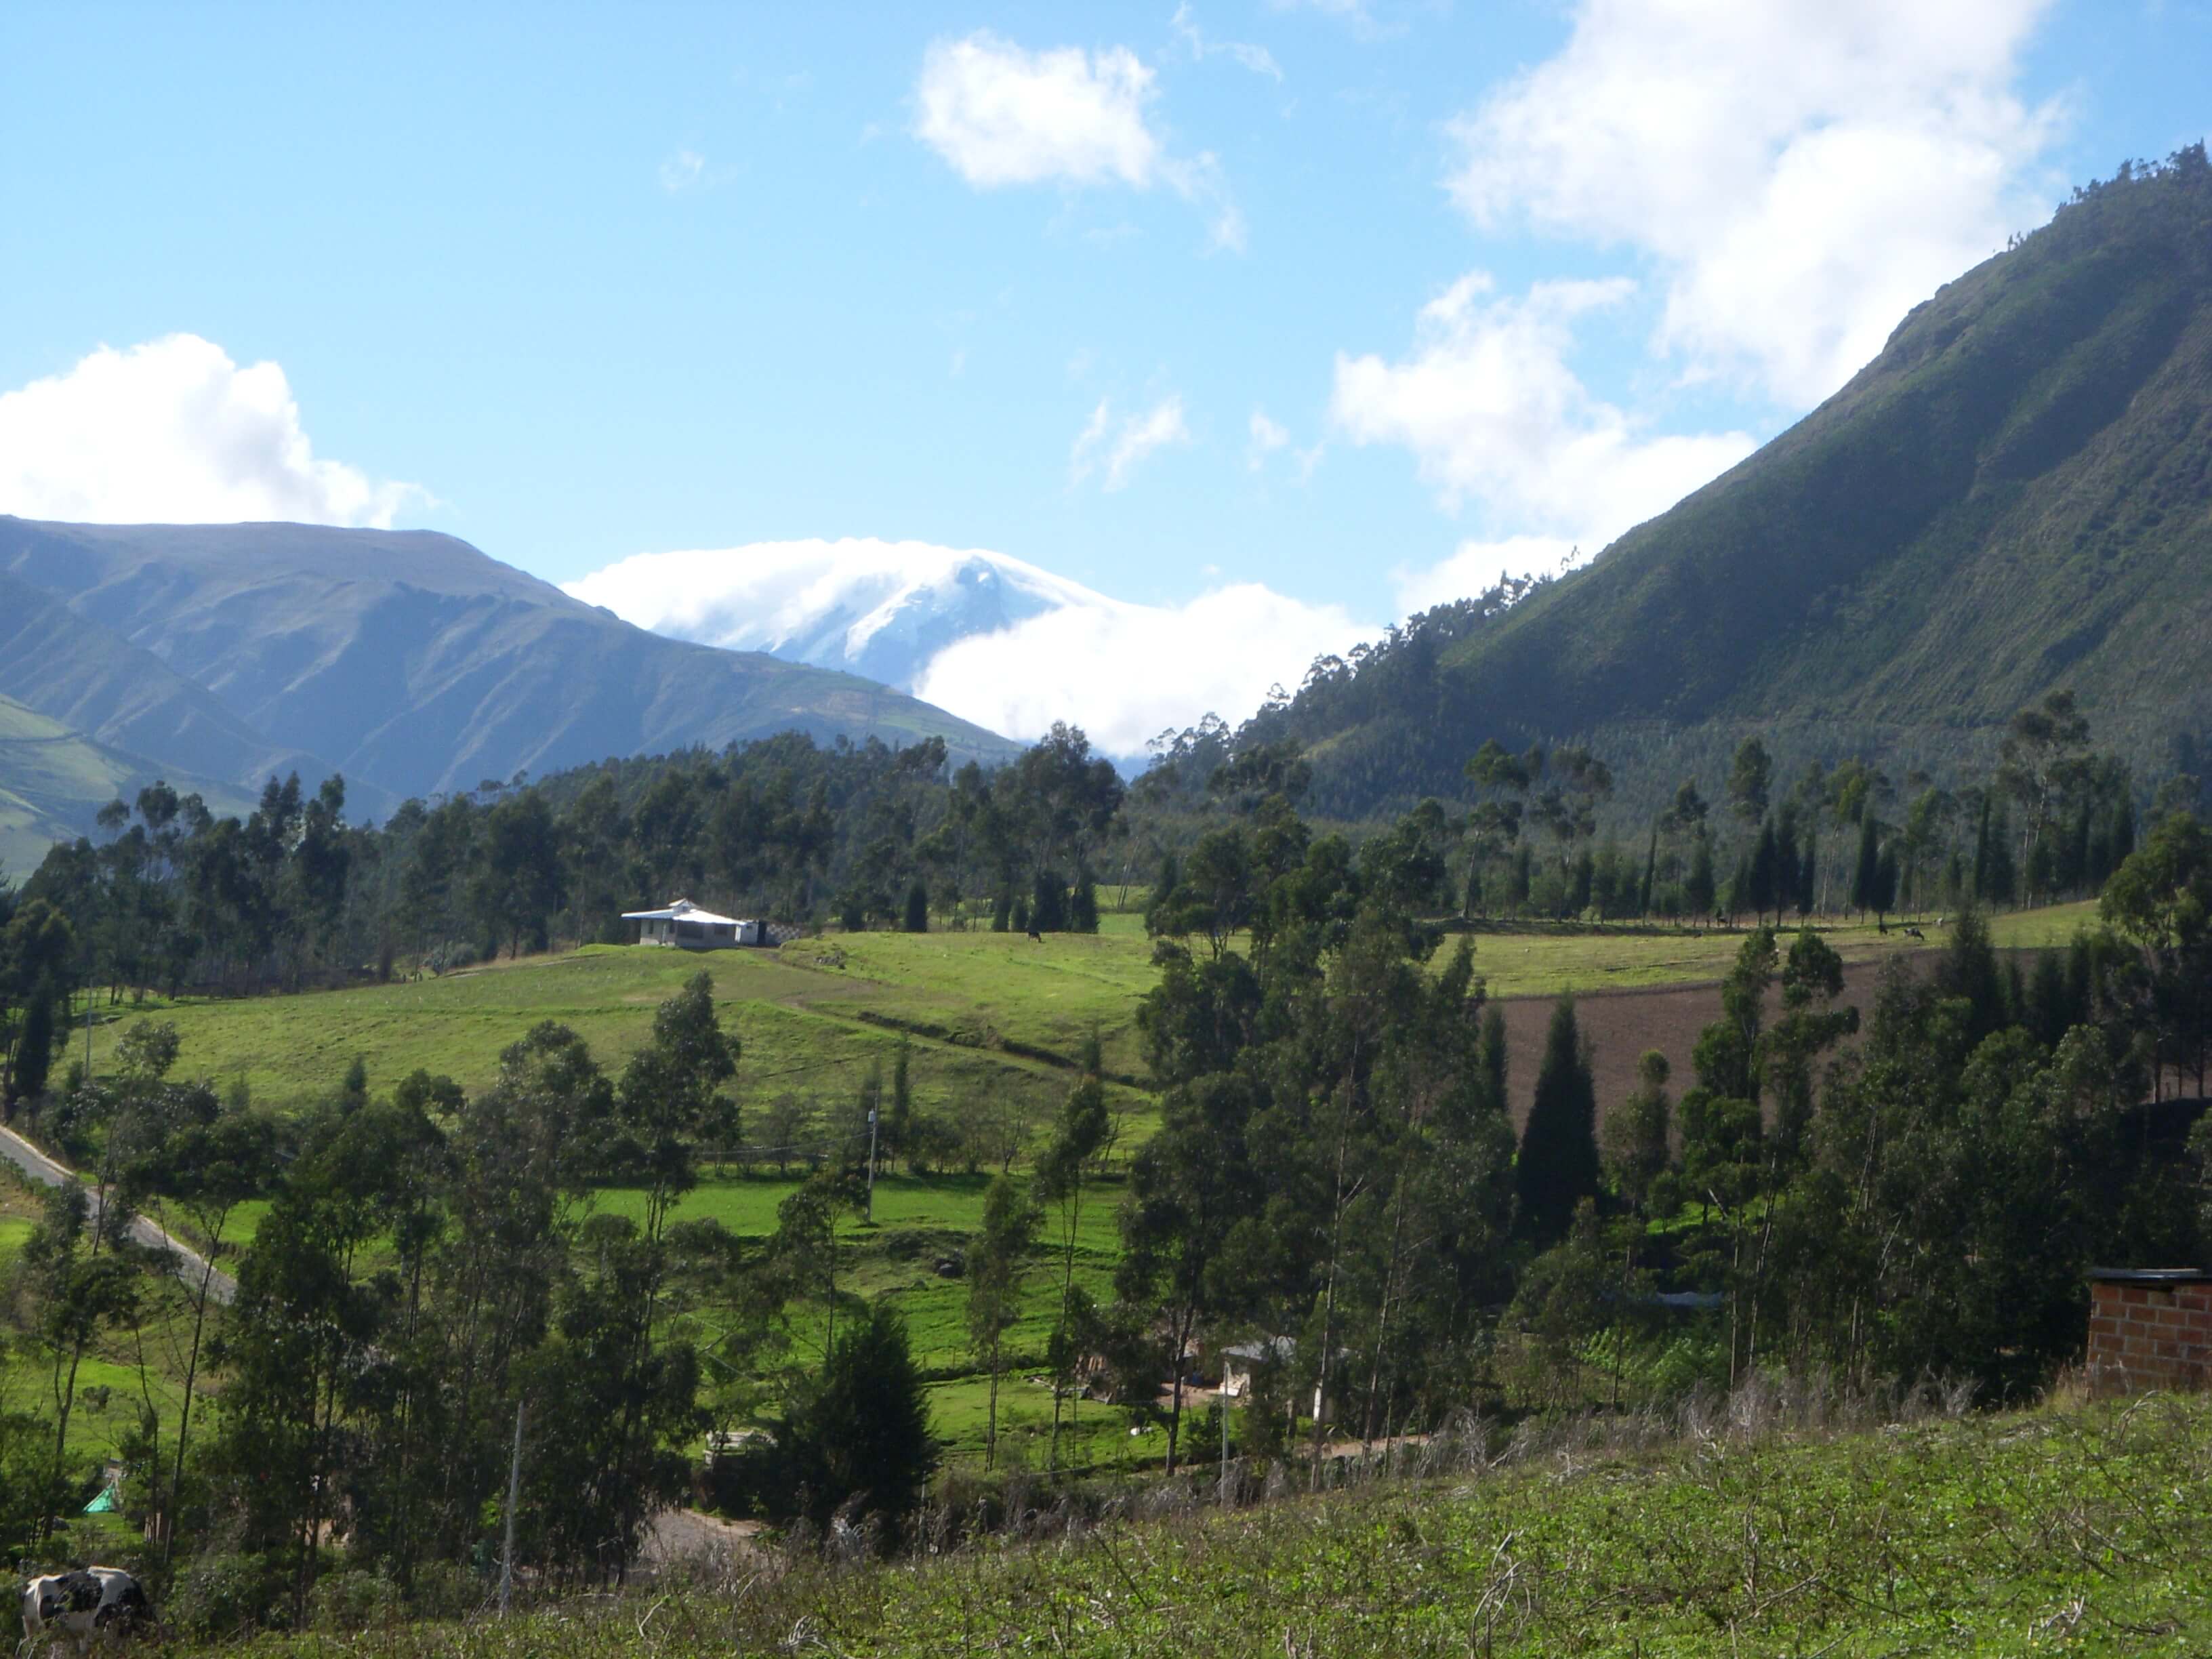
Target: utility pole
<point>1221,1406</point>
<point>513,1501</point>
<point>872,1164</point>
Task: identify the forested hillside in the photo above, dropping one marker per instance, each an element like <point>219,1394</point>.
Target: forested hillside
<point>2014,497</point>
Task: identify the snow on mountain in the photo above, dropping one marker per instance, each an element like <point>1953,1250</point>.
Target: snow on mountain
<point>993,639</point>
<point>881,609</point>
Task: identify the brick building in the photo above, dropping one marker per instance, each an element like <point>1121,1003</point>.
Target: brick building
<point>2149,1327</point>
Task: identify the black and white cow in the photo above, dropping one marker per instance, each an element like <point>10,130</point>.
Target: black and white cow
<point>77,1606</point>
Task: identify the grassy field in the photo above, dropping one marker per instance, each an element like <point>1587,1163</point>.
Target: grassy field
<point>2077,1529</point>
<point>990,1015</point>
<point>918,1221</point>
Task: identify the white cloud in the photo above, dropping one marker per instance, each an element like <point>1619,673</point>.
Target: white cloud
<point>1267,436</point>
<point>1082,454</point>
<point>1000,114</point>
<point>1027,646</point>
<point>1803,171</point>
<point>173,431</point>
<point>1474,566</point>
<point>1127,673</point>
<point>682,170</point>
<point>1491,410</point>
<point>1192,38</point>
<point>1132,441</point>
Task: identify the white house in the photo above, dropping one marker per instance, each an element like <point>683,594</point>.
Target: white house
<point>686,926</point>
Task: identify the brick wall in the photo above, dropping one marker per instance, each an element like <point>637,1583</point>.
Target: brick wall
<point>2149,1328</point>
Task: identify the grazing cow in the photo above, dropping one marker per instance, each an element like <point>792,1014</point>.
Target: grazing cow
<point>1035,935</point>
<point>105,1602</point>
<point>1912,931</point>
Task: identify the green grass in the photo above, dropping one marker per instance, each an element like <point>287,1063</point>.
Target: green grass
<point>917,1221</point>
<point>2077,1530</point>
<point>813,1027</point>
<point>807,1027</point>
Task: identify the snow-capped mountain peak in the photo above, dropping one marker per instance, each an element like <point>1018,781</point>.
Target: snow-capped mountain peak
<point>878,608</point>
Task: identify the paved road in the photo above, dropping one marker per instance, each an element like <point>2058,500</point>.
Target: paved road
<point>190,1264</point>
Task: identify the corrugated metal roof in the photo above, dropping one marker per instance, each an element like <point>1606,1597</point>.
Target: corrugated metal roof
<point>680,911</point>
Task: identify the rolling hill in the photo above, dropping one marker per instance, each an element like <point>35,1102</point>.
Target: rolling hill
<point>408,660</point>
<point>2015,495</point>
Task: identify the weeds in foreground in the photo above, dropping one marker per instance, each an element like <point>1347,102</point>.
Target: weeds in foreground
<point>1783,1518</point>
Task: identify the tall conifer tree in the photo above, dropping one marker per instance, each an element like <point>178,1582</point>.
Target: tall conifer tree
<point>1559,1164</point>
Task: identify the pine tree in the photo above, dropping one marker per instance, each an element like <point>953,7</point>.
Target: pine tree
<point>1049,903</point>
<point>1559,1163</point>
<point>1494,1058</point>
<point>1866,874</point>
<point>35,1049</point>
<point>1698,890</point>
<point>1083,904</point>
<point>862,1439</point>
<point>1764,891</point>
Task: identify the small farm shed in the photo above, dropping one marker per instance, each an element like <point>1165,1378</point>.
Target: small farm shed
<point>2149,1327</point>
<point>683,925</point>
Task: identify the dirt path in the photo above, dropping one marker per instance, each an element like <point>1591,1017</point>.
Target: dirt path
<point>190,1264</point>
<point>693,1535</point>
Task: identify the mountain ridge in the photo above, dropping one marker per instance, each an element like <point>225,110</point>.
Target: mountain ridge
<point>409,661</point>
<point>2015,494</point>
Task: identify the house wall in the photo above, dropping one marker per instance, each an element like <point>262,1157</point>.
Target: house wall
<point>2145,1335</point>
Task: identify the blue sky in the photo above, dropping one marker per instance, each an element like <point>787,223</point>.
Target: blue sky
<point>1318,297</point>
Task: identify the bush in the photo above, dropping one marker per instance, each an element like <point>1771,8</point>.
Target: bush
<point>222,1595</point>
<point>346,1602</point>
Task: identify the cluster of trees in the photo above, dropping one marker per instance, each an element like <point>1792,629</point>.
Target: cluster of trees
<point>172,897</point>
<point>431,1304</point>
<point>1335,1164</point>
<point>2053,820</point>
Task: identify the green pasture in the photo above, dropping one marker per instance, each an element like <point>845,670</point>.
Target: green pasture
<point>990,1016</point>
<point>809,1026</point>
<point>918,1221</point>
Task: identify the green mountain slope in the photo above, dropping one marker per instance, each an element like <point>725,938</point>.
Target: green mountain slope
<point>53,780</point>
<point>2016,494</point>
<point>409,660</point>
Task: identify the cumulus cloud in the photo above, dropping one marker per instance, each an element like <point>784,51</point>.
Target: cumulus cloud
<point>1036,647</point>
<point>1097,665</point>
<point>173,431</point>
<point>1803,172</point>
<point>1120,448</point>
<point>821,600</point>
<point>1474,566</point>
<point>999,114</point>
<point>1492,411</point>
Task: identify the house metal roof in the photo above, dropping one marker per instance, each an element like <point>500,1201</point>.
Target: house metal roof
<point>678,910</point>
